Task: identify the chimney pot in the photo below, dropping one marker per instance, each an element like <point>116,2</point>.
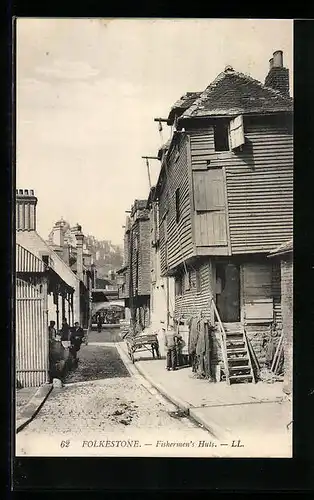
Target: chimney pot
<point>271,63</point>
<point>278,59</point>
<point>25,210</point>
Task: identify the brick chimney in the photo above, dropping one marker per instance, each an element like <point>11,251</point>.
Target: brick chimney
<point>79,251</point>
<point>58,232</point>
<point>26,203</point>
<point>278,76</point>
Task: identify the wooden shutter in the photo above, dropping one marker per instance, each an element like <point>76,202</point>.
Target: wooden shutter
<point>237,138</point>
<point>257,291</point>
<point>209,204</point>
<point>209,191</point>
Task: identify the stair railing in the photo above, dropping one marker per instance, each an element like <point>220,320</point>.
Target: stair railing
<point>223,340</point>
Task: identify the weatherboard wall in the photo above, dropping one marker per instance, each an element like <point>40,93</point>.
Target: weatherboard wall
<point>259,183</point>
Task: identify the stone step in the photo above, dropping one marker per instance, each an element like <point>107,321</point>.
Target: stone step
<point>240,377</point>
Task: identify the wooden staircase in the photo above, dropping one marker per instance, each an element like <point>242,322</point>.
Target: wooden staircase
<point>237,355</point>
<point>235,351</point>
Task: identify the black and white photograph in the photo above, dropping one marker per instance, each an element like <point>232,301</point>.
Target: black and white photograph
<point>153,235</point>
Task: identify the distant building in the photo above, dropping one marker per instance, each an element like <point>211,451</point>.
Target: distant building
<point>69,243</point>
<point>134,279</point>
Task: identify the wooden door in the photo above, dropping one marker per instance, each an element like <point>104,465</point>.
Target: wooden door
<point>228,292</point>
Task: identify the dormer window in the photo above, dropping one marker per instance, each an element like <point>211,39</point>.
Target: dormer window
<point>221,135</point>
<point>229,135</point>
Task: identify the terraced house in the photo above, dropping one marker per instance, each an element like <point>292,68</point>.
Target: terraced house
<point>134,277</point>
<point>225,198</point>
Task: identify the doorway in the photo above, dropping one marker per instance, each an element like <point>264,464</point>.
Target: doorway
<point>228,292</point>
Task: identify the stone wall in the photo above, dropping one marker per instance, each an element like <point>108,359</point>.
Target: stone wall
<point>287,320</point>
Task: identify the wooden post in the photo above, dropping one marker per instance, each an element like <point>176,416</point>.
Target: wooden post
<point>69,309</point>
<point>72,308</point>
<point>63,306</point>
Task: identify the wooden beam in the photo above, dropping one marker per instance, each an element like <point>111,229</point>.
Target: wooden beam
<point>150,157</point>
<point>161,120</point>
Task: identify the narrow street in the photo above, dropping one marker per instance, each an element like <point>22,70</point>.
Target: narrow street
<point>105,403</point>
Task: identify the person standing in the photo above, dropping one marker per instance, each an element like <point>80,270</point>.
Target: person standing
<point>170,345</point>
<point>52,330</point>
<point>65,334</point>
<point>76,338</point>
<point>99,323</point>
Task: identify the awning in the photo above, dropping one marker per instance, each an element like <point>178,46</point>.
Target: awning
<point>27,262</point>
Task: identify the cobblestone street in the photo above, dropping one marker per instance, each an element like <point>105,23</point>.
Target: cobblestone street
<point>101,401</point>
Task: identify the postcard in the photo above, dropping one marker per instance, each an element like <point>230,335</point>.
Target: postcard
<point>154,224</point>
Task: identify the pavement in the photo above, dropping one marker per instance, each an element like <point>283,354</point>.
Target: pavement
<point>117,415</point>
<point>28,402</point>
<point>258,415</point>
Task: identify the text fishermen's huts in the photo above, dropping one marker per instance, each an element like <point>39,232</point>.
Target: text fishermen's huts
<point>59,305</point>
<point>134,276</point>
<point>225,196</point>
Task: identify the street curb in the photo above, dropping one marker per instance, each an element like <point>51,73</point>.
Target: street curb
<point>217,431</point>
<point>31,409</point>
<point>182,405</point>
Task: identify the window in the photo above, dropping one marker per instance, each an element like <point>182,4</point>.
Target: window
<point>45,259</point>
<point>177,194</point>
<point>221,135</point>
<point>178,285</point>
<point>187,280</point>
<point>198,283</point>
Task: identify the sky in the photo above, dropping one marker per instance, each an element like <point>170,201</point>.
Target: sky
<point>87,93</point>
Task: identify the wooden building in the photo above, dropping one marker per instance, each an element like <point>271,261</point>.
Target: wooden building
<point>162,299</point>
<point>134,276</point>
<point>225,198</point>
<point>36,282</point>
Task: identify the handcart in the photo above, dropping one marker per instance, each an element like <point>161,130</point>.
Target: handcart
<point>141,343</point>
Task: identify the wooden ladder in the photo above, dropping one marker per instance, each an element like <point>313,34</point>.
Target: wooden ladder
<point>238,355</point>
<point>235,351</point>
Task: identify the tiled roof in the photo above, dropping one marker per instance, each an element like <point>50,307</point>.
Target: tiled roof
<point>182,104</point>
<point>283,248</point>
<point>233,93</point>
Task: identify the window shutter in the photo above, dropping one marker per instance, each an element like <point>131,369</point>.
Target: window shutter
<point>209,190</point>
<point>237,138</point>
